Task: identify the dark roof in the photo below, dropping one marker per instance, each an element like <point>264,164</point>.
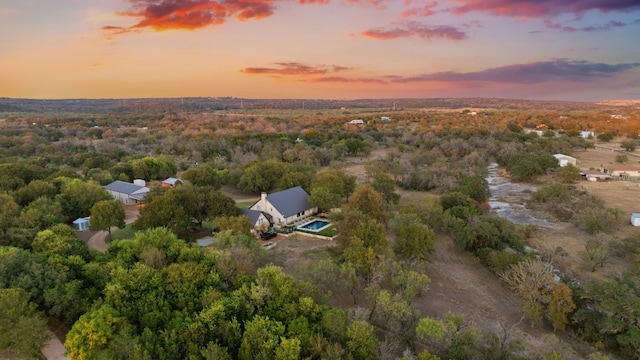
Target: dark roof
<point>253,215</point>
<point>124,187</point>
<point>291,201</point>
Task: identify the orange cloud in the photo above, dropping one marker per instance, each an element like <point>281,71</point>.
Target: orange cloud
<point>337,79</point>
<point>193,14</point>
<point>294,68</point>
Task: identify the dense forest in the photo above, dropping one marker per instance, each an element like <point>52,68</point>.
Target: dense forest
<point>156,294</point>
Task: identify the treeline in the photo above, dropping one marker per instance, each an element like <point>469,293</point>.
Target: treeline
<point>158,296</point>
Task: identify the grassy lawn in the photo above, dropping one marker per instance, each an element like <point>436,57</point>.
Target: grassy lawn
<point>328,232</point>
<point>119,234</point>
<point>245,204</point>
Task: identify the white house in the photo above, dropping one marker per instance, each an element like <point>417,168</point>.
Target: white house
<point>564,160</point>
<point>622,170</point>
<point>286,206</point>
<point>356,122</point>
<point>258,219</point>
<point>127,193</point>
<point>635,219</point>
<point>587,134</point>
<point>385,118</point>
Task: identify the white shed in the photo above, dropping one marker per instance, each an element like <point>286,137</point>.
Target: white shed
<point>565,160</point>
<point>635,219</point>
<point>82,224</point>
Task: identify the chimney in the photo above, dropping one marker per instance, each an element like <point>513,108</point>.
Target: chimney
<point>263,198</point>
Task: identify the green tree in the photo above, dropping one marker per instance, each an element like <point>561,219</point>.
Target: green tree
<point>165,210</point>
<point>24,330</point>
<point>78,197</point>
<point>203,175</point>
<point>9,211</point>
<point>105,214</point>
<point>324,199</point>
<point>475,187</point>
<point>368,201</point>
<point>60,240</point>
<point>595,219</point>
<point>415,241</point>
<point>622,158</point>
<point>384,184</point>
<point>260,339</point>
<point>361,340</point>
<point>239,224</point>
<point>568,173</point>
<point>92,332</point>
<point>336,181</point>
<point>34,190</point>
<point>41,214</point>
<point>629,145</point>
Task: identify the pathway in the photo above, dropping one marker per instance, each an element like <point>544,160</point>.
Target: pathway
<point>98,240</point>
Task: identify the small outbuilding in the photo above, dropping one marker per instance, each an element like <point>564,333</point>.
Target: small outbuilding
<point>565,160</point>
<point>81,224</point>
<point>594,175</point>
<point>171,182</point>
<point>635,219</point>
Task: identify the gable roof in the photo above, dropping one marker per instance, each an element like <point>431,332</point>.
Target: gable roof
<point>621,167</point>
<point>253,215</point>
<point>125,187</point>
<point>559,156</point>
<point>291,201</point>
<point>171,181</point>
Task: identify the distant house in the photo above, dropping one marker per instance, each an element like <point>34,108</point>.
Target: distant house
<point>286,206</point>
<point>587,134</point>
<point>531,131</point>
<point>622,170</point>
<point>594,175</point>
<point>127,193</point>
<point>635,219</point>
<point>258,218</point>
<point>356,122</point>
<point>171,182</point>
<point>385,118</point>
<point>564,160</point>
<point>81,224</point>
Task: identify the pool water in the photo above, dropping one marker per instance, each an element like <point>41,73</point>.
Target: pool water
<point>315,225</point>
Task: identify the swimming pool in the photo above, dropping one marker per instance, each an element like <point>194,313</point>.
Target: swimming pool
<point>314,225</point>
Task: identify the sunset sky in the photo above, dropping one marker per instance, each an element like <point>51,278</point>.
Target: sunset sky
<point>345,49</point>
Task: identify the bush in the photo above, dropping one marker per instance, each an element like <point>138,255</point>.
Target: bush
<point>553,192</point>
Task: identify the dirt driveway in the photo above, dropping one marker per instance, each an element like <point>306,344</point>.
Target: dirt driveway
<point>98,240</point>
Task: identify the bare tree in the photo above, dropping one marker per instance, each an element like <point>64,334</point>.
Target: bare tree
<point>597,252</point>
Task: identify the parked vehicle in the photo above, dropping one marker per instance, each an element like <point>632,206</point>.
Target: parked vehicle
<point>268,235</point>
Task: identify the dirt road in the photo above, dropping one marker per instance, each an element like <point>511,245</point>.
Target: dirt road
<point>98,240</point>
